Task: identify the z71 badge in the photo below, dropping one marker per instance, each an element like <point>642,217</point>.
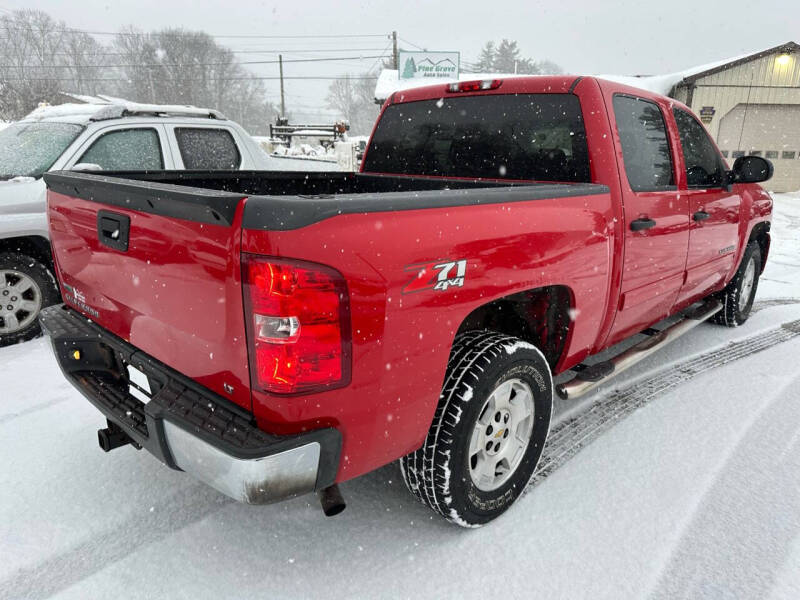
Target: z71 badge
<point>439,276</point>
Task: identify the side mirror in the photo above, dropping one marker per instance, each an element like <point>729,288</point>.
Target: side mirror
<point>86,167</point>
<point>752,169</point>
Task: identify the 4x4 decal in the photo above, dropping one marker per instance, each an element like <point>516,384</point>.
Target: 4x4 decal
<point>439,276</point>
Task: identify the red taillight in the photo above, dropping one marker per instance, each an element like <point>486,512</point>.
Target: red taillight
<point>475,86</point>
<point>298,324</point>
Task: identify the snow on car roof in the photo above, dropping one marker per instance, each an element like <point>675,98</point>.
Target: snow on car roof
<point>106,107</point>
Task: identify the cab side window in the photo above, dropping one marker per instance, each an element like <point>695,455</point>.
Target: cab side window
<point>704,166</point>
<point>645,148</point>
<point>208,149</point>
<point>126,150</point>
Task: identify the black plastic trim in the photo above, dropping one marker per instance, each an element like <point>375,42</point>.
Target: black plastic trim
<point>190,204</point>
<point>102,356</point>
<point>575,84</point>
<point>283,213</point>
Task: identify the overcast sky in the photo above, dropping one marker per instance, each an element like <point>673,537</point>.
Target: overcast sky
<point>584,37</point>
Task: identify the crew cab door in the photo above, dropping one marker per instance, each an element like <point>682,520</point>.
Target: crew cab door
<point>656,215</point>
<point>714,208</point>
<point>201,147</point>
<point>126,147</point>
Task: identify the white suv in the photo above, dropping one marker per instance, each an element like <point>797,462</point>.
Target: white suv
<point>113,136</point>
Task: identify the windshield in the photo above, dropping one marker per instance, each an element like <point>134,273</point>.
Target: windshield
<point>527,136</point>
<point>30,149</point>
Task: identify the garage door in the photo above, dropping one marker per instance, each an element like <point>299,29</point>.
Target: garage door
<point>769,130</point>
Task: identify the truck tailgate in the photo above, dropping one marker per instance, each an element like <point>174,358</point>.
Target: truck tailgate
<point>159,266</point>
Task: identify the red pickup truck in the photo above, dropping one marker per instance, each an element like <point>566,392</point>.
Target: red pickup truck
<point>274,334</point>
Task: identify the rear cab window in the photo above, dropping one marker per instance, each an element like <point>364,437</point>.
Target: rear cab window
<point>206,148</point>
<point>645,146</point>
<point>538,137</point>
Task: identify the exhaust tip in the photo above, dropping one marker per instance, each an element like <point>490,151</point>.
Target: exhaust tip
<point>331,500</point>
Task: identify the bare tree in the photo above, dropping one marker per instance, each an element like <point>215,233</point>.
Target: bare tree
<point>354,98</point>
<point>174,66</point>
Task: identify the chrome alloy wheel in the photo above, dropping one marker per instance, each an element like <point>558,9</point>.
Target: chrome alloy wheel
<point>20,301</point>
<point>501,435</point>
<point>748,281</point>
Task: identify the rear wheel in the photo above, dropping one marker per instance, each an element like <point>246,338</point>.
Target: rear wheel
<point>26,287</point>
<point>738,296</point>
<point>488,431</point>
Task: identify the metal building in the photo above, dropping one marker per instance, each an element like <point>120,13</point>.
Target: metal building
<point>751,105</point>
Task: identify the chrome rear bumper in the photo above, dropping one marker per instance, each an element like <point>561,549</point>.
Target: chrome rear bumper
<point>185,425</point>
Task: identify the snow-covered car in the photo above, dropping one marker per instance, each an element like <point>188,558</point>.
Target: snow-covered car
<point>110,136</point>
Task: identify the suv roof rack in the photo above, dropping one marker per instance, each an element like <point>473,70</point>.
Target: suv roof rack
<point>133,109</point>
<point>102,107</point>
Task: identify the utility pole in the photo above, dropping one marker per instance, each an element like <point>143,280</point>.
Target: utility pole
<point>283,102</point>
<point>395,55</point>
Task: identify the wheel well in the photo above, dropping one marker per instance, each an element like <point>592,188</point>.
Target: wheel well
<point>540,316</point>
<point>760,234</point>
<point>34,246</point>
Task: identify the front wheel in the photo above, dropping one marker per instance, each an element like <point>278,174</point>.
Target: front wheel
<point>26,287</point>
<point>488,431</point>
<point>738,296</point>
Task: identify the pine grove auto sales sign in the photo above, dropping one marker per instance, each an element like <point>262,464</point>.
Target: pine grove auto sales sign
<point>429,65</point>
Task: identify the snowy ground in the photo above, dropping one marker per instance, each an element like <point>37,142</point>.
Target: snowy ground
<point>682,480</point>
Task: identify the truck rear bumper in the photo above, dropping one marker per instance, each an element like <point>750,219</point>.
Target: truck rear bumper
<point>185,425</point>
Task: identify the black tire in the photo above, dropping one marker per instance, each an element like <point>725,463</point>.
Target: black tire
<point>46,288</point>
<point>734,312</point>
<point>438,474</point>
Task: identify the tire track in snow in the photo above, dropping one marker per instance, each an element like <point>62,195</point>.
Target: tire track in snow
<point>147,526</point>
<point>572,435</point>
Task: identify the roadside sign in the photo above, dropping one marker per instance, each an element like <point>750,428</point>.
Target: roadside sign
<point>429,65</point>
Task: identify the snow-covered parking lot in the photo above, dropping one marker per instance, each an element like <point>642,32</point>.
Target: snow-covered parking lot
<point>679,480</point>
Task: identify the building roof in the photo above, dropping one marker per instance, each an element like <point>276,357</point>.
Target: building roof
<point>663,84</point>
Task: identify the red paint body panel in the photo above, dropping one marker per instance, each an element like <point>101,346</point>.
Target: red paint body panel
<point>177,295</point>
<point>401,342</point>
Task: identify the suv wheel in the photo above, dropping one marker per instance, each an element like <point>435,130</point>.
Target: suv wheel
<point>26,287</point>
<point>488,431</point>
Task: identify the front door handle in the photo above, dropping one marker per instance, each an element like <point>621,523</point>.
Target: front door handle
<point>701,215</point>
<point>642,224</point>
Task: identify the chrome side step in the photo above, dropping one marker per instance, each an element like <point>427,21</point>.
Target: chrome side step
<point>589,377</point>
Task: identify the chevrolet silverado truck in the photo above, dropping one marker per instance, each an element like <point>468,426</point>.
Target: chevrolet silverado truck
<point>274,334</point>
<point>107,134</point>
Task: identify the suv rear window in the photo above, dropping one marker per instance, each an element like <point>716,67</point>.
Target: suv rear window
<point>207,149</point>
<point>526,136</point>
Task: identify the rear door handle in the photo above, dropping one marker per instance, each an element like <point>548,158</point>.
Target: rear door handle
<point>701,215</point>
<point>641,224</point>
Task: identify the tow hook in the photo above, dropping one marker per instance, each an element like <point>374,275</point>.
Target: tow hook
<point>332,501</point>
<point>112,437</point>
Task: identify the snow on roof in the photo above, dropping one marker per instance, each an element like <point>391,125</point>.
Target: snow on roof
<point>107,107</point>
<point>663,84</point>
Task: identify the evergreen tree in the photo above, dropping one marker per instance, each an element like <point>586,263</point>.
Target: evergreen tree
<point>505,57</point>
<point>485,62</point>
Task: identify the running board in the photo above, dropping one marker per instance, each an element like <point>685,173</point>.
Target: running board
<point>589,377</point>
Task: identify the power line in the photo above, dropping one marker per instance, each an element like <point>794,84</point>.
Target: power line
<point>232,36</point>
<point>206,79</point>
<point>188,65</point>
